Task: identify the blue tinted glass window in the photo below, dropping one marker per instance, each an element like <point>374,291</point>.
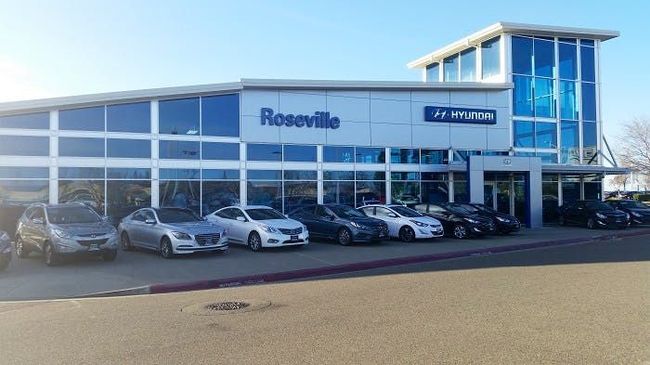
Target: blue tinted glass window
<point>220,174</point>
<point>568,40</point>
<point>569,140</point>
<point>172,174</point>
<point>568,107</point>
<point>451,68</point>
<point>433,72</point>
<point>24,172</point>
<point>338,154</point>
<point>587,42</point>
<point>404,155</point>
<point>264,175</point>
<point>128,173</point>
<point>588,101</point>
<point>371,175</point>
<point>264,152</point>
<point>568,61</point>
<point>589,134</point>
<point>220,151</point>
<point>300,153</point>
<point>370,155</point>
<point>134,117</point>
<point>523,133</point>
<point>182,150</point>
<point>24,146</point>
<point>468,65</point>
<point>299,175</point>
<point>544,98</point>
<point>547,157</point>
<point>124,148</point>
<point>19,192</point>
<point>522,55</point>
<point>179,116</point>
<point>81,172</point>
<point>490,56</point>
<point>27,121</point>
<point>523,96</point>
<point>84,119</point>
<point>220,115</point>
<point>587,64</point>
<point>81,147</point>
<point>544,58</point>
<point>434,157</point>
<point>405,176</point>
<point>338,175</point>
<point>546,135</point>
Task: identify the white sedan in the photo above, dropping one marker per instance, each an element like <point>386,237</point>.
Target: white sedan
<point>405,223</point>
<point>259,226</point>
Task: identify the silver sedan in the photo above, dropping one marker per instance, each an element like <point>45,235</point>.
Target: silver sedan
<point>171,231</point>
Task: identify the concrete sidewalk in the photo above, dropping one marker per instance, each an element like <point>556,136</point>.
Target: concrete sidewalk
<point>31,279</point>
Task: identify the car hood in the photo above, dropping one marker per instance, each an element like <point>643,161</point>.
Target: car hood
<point>86,229</point>
<point>642,211</point>
<point>195,228</point>
<point>282,223</point>
<point>366,221</point>
<point>612,213</point>
<point>426,219</point>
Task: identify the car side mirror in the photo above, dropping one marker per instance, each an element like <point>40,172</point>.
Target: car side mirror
<point>38,221</point>
<point>241,219</point>
<point>150,221</point>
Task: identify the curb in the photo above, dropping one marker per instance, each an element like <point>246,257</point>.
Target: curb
<point>352,267</point>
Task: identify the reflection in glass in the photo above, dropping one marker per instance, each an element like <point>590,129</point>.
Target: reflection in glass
<point>26,121</point>
<point>587,64</point>
<point>180,194</point>
<point>468,65</point>
<point>544,98</point>
<point>180,116</point>
<point>220,115</point>
<point>88,192</point>
<point>433,72</point>
<point>338,154</point>
<point>264,152</point>
<point>404,155</point>
<point>569,142</point>
<point>181,150</point>
<point>24,146</point>
<point>523,96</point>
<point>588,101</point>
<point>568,61</point>
<point>24,172</point>
<point>370,155</point>
<point>590,142</point>
<point>550,198</point>
<point>524,133</point>
<point>568,106</point>
<point>405,192</point>
<point>338,192</point>
<point>544,58</point>
<point>128,148</point>
<point>81,147</point>
<point>546,135</point>
<point>267,193</point>
<point>20,192</point>
<point>434,157</point>
<point>84,119</point>
<point>299,193</point>
<point>370,192</point>
<point>128,173</point>
<point>133,117</point>
<point>220,151</point>
<point>490,56</point>
<point>300,153</point>
<point>522,55</point>
<point>125,196</point>
<point>450,70</point>
<point>81,172</point>
<point>219,194</point>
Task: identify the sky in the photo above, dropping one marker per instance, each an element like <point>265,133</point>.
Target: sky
<point>50,49</point>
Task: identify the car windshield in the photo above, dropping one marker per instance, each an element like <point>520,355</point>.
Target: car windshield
<point>472,209</point>
<point>262,214</point>
<point>346,212</point>
<point>634,204</point>
<point>599,206</point>
<point>177,216</point>
<point>72,215</point>
<point>406,212</point>
<point>457,209</point>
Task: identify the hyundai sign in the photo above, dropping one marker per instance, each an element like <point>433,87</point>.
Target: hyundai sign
<point>459,115</point>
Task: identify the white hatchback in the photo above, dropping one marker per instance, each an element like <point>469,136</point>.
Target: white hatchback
<point>259,226</point>
<point>405,223</point>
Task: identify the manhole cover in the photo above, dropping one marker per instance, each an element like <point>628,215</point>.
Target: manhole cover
<point>226,307</point>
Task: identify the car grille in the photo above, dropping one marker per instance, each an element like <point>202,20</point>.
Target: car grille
<point>291,232</point>
<point>92,242</point>
<point>93,235</point>
<point>208,239</point>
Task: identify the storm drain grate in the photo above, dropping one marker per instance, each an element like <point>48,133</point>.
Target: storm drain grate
<point>226,306</point>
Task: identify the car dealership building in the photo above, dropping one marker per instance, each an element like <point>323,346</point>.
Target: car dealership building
<point>508,116</point>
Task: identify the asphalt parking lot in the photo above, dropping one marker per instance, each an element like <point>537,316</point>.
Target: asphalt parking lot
<point>30,279</point>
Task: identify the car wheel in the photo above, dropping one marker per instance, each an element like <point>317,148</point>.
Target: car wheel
<point>344,237</point>
<point>591,224</point>
<point>460,231</point>
<point>166,250</point>
<point>561,220</point>
<point>126,242</point>
<point>407,234</point>
<point>254,242</point>
<point>49,255</point>
<point>21,250</point>
<point>109,256</point>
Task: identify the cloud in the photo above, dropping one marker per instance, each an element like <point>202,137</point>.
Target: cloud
<point>18,83</point>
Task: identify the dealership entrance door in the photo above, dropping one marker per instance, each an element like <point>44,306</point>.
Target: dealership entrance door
<point>505,193</point>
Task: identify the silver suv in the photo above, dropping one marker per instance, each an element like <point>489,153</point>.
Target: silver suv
<point>64,230</point>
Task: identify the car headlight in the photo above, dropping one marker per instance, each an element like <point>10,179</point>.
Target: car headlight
<point>600,215</point>
<point>61,233</point>
<point>501,219</point>
<point>181,235</point>
<point>636,214</point>
<point>419,224</point>
<point>470,220</point>
<point>269,229</point>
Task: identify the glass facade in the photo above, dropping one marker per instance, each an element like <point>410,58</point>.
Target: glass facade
<point>24,146</point>
<point>433,72</point>
<point>84,119</point>
<point>26,121</point>
<point>180,116</point>
<point>128,148</point>
<point>134,118</point>
<point>490,57</point>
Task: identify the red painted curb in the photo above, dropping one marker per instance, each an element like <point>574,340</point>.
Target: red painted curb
<point>359,266</point>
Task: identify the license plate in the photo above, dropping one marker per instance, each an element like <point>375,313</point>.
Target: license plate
<point>294,238</point>
<point>93,247</point>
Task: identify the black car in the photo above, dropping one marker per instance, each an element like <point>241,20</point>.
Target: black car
<point>341,223</point>
<point>593,214</point>
<point>5,250</point>
<point>505,223</point>
<point>456,220</point>
<point>639,212</point>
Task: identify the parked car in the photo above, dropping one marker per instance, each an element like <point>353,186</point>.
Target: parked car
<point>593,214</point>
<point>405,223</point>
<point>260,226</point>
<point>5,250</point>
<point>341,223</point>
<point>504,223</point>
<point>638,211</point>
<point>59,230</point>
<point>457,221</point>
<point>171,231</point>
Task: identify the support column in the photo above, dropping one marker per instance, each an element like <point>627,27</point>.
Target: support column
<point>534,194</point>
<point>476,179</point>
